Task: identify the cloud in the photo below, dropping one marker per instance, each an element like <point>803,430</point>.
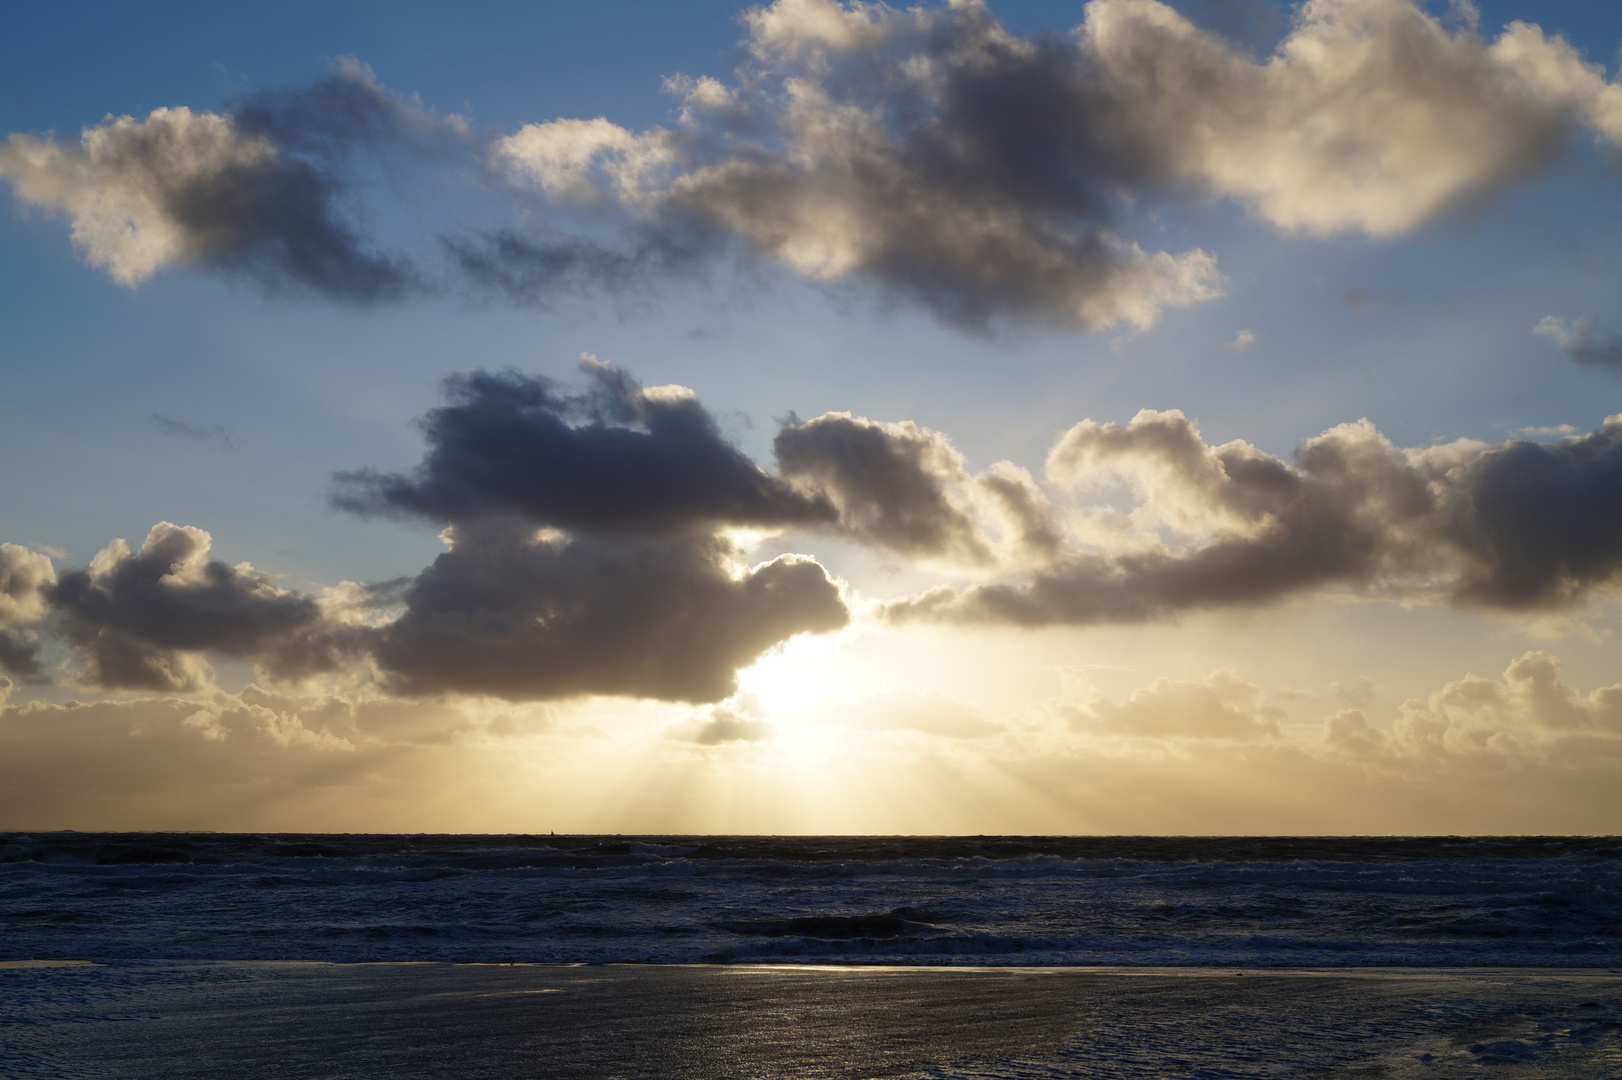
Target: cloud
<point>927,151</point>
<point>1520,526</point>
<point>587,557</point>
<point>1241,343</point>
<point>586,549</point>
<point>1370,117</point>
<point>890,482</point>
<point>930,152</point>
<point>728,725</point>
<point>905,488</point>
<point>1524,753</point>
<point>593,551</point>
<point>1363,302</point>
<point>143,618</point>
<point>621,459</point>
<point>343,111</point>
<point>983,175</point>
<point>1529,710</point>
<point>617,458</point>
<point>251,192</point>
<point>507,612</point>
<point>535,269</point>
<point>254,759</point>
<point>25,579</point>
<point>1221,706</point>
<point>512,614</point>
<point>1580,340</point>
<point>209,433</point>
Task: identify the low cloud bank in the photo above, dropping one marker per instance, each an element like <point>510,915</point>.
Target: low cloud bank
<point>1523,751</point>
<point>1516,526</point>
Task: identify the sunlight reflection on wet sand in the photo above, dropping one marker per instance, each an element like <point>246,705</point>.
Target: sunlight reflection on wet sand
<point>248,1020</point>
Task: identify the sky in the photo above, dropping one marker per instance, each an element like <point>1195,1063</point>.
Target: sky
<point>1125,417</point>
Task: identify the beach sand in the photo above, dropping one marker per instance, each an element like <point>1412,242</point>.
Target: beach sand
<point>296,1020</point>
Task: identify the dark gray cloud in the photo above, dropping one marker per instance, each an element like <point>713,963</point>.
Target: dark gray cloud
<point>513,615</point>
<point>905,488</point>
<point>1582,340</point>
<point>143,618</point>
<point>616,458</point>
<point>19,654</point>
<point>890,482</point>
<point>253,193</point>
<point>619,458</point>
<point>636,595</point>
<point>1520,526</point>
<point>203,433</point>
<point>586,558</point>
<point>348,109</point>
<point>1540,523</point>
<point>507,612</point>
<point>537,269</point>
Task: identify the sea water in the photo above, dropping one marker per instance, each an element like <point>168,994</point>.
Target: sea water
<point>1451,902</point>
<point>179,956</point>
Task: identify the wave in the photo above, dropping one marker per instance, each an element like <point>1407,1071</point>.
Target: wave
<point>1422,901</point>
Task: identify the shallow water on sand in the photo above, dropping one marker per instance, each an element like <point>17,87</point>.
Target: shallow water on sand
<point>1448,902</point>
<point>252,1020</point>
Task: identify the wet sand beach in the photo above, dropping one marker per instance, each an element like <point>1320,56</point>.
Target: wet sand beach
<point>246,1020</point>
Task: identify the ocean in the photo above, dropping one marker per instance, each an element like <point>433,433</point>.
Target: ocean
<point>165,955</point>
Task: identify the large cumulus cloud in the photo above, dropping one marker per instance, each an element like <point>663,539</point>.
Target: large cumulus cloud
<point>1517,526</point>
<point>983,175</point>
<point>521,616</point>
<point>905,488</point>
<point>587,548</point>
<point>25,578</point>
<point>1525,750</point>
<point>142,619</point>
<point>618,457</point>
<point>254,190</point>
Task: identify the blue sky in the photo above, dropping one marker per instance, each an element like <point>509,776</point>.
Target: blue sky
<point>227,400</point>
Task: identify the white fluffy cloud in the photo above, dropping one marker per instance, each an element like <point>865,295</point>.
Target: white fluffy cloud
<point>25,578</point>
<point>1371,116</point>
<point>250,191</point>
<point>119,185</point>
<point>982,175</point>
